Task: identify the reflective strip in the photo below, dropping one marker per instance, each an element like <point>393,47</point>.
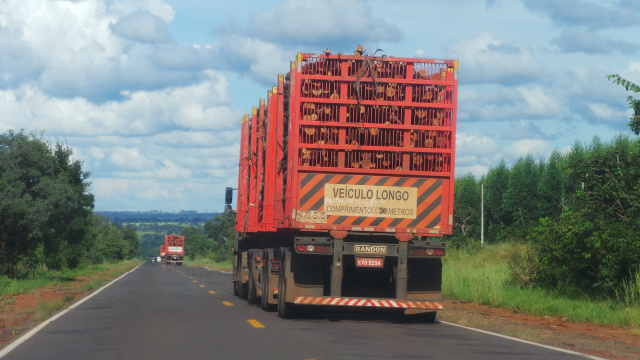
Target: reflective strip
<point>405,304</point>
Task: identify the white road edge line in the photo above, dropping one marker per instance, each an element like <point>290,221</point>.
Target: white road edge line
<point>33,331</point>
<point>525,341</point>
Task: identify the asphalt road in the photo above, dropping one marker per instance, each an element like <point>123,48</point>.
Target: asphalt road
<point>169,312</point>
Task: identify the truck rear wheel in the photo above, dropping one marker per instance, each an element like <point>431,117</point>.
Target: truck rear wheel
<point>401,317</point>
<point>285,310</point>
<point>264,304</point>
<point>252,298</point>
<point>242,290</point>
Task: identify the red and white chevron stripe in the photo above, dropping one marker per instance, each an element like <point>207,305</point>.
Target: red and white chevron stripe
<point>386,303</point>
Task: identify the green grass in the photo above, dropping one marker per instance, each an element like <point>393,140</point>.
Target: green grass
<point>9,287</point>
<point>47,307</point>
<point>226,265</point>
<point>484,277</point>
<point>92,285</point>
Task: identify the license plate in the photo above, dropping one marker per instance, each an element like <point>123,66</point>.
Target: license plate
<point>369,262</point>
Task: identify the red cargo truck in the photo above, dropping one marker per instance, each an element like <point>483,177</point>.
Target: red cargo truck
<point>174,249</point>
<point>346,185</point>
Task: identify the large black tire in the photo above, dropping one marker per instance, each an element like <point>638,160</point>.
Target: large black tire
<point>252,298</point>
<point>400,317</point>
<point>242,287</point>
<point>266,269</point>
<point>285,310</point>
<point>242,290</point>
<point>429,317</point>
<point>236,283</point>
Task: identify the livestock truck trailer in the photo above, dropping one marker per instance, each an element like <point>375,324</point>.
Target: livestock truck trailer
<point>174,249</point>
<point>346,186</point>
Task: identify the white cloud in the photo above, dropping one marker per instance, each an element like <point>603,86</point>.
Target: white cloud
<point>475,154</point>
<point>526,129</point>
<point>475,170</point>
<point>587,92</point>
<point>473,144</point>
<point>167,170</point>
<point>522,148</point>
<point>218,173</point>
<point>578,39</point>
<point>68,49</point>
<point>157,194</point>
<point>605,113</point>
<point>142,26</point>
<point>96,153</point>
<point>505,103</point>
<point>539,102</point>
<point>129,158</point>
<point>196,139</point>
<point>485,59</point>
<point>199,106</point>
<point>263,61</point>
<point>594,14</point>
<point>321,22</point>
<point>157,122</point>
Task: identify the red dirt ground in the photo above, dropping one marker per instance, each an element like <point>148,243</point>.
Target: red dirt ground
<point>599,340</point>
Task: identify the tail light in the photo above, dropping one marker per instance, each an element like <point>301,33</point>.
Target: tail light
<point>305,248</point>
<point>275,266</point>
<point>426,252</point>
<point>313,249</point>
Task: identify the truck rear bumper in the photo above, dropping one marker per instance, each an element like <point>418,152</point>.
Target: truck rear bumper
<point>363,302</point>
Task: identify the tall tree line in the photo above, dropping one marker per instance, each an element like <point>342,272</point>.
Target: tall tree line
<point>46,218</point>
<point>579,211</point>
<point>215,241</point>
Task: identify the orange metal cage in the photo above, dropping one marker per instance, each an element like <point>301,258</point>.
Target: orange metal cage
<point>372,114</point>
<point>336,119</point>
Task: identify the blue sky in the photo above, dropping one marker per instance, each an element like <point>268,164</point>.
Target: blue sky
<point>149,94</point>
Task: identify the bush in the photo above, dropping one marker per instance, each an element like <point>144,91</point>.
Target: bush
<point>629,294</point>
<point>222,252</point>
<point>581,253</point>
<point>523,265</point>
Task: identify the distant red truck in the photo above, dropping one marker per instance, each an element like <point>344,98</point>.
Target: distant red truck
<point>162,254</point>
<point>173,249</point>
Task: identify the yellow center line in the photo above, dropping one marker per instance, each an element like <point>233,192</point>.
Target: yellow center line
<point>201,285</point>
<point>227,303</point>
<point>255,323</point>
<point>211,292</point>
<point>195,280</point>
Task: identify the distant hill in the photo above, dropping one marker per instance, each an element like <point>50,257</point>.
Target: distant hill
<point>156,216</point>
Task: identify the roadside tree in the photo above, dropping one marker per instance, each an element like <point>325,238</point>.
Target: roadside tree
<point>44,200</point>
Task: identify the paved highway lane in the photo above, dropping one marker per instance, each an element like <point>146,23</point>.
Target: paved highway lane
<point>174,312</point>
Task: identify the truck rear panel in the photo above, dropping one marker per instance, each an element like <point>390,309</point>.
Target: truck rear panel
<point>372,143</point>
<point>354,143</point>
